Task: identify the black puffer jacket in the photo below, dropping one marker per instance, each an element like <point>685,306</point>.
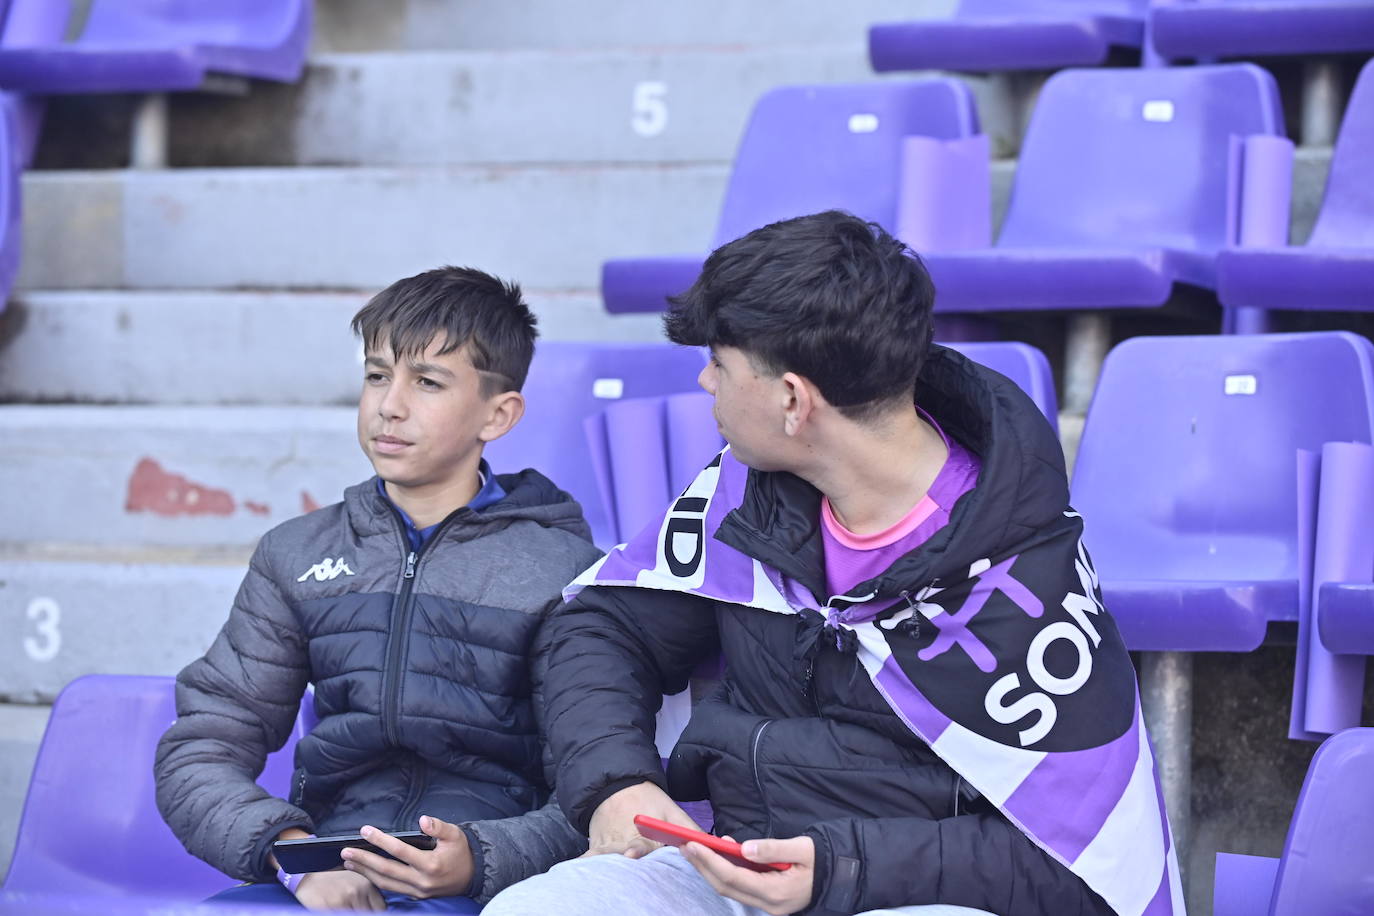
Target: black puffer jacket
<point>797,740</point>
<point>422,666</point>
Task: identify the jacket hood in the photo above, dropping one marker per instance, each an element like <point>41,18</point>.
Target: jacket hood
<point>1021,490</point>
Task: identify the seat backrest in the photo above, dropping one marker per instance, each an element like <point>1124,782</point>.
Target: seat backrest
<point>1325,864</point>
<point>1347,213</point>
<point>90,824</point>
<point>646,451</point>
<point>1024,365</point>
<point>1124,158</point>
<point>1187,467</point>
<point>813,148</point>
<point>569,382</point>
<point>246,23</point>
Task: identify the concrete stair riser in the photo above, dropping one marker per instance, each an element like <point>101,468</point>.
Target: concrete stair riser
<point>413,25</point>
<point>170,476</point>
<point>548,228</point>
<point>70,619</point>
<point>185,347</point>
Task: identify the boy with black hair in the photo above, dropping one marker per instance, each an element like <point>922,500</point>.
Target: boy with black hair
<point>925,708</point>
<point>412,607</point>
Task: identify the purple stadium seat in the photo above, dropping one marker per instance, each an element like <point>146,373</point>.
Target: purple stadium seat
<point>1127,183</point>
<point>1324,869</point>
<point>26,24</point>
<point>158,45</point>
<point>569,382</point>
<point>647,451</point>
<point>1187,477</point>
<point>807,149</point>
<point>90,825</point>
<point>989,35</point>
<point>1335,269</point>
<point>10,200</point>
<point>1345,617</point>
<point>1213,29</point>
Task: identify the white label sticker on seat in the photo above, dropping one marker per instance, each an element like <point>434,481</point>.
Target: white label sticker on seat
<point>1158,110</point>
<point>863,123</point>
<point>1241,384</point>
<point>609,388</point>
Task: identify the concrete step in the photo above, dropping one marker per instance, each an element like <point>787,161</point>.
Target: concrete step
<point>76,618</point>
<point>514,107</point>
<point>548,228</point>
<point>169,476</point>
<point>366,25</point>
<point>21,730</point>
<point>195,347</point>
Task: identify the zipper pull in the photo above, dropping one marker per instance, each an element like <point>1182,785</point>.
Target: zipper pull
<point>410,565</point>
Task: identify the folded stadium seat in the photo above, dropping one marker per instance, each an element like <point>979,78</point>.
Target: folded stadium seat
<point>570,381</point>
<point>26,24</point>
<point>159,45</point>
<point>10,198</point>
<point>1186,477</point>
<point>90,826</point>
<point>992,35</point>
<point>1334,271</point>
<point>1324,869</point>
<point>1212,29</point>
<point>807,149</point>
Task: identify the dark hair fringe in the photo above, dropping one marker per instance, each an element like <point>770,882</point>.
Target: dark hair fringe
<point>469,308</point>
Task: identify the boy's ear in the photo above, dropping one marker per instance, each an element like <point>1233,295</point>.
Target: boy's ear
<point>799,401</point>
<point>504,410</point>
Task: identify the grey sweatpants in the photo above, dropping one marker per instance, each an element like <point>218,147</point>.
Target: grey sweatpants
<point>661,882</point>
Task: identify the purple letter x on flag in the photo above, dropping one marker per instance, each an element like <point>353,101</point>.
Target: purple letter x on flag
<point>954,627</point>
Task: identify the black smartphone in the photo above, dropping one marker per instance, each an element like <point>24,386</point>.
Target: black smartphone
<point>321,853</point>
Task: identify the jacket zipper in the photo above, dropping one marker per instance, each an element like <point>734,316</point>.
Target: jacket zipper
<point>298,791</point>
<point>758,780</point>
<point>399,637</point>
<point>417,786</point>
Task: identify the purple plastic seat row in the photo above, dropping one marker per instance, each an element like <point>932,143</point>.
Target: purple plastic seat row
<point>1324,869</point>
<point>90,826</point>
<point>1335,269</point>
<point>807,149</point>
<point>1187,477</point>
<point>1212,29</point>
<point>1129,181</point>
<point>159,45</point>
<point>647,451</point>
<point>992,35</point>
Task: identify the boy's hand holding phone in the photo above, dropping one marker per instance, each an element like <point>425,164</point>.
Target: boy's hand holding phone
<point>612,828</point>
<point>444,871</point>
<point>338,890</point>
<point>776,892</point>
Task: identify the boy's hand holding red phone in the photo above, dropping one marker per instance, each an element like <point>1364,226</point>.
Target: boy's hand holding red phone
<point>774,875</point>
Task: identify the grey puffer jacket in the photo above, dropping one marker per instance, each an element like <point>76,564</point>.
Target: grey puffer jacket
<point>425,684</point>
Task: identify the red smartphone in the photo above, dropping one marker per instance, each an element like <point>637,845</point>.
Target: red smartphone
<point>673,835</point>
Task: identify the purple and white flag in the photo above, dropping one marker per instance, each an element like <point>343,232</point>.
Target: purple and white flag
<point>1013,674</point>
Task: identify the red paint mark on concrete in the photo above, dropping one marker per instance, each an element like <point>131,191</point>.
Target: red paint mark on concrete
<point>152,489</point>
<point>308,503</point>
<point>256,508</point>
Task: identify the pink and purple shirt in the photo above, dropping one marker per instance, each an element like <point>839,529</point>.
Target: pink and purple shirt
<point>853,558</point>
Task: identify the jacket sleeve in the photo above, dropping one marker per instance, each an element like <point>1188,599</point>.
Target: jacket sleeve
<point>612,654</point>
<point>972,860</point>
<point>234,706</point>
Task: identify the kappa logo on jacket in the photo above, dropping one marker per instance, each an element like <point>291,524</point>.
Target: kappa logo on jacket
<point>327,569</point>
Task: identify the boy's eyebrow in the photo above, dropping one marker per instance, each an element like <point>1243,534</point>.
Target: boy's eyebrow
<point>377,361</point>
<point>430,369</point>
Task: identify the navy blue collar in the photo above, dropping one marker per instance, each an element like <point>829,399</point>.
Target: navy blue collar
<point>488,493</point>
